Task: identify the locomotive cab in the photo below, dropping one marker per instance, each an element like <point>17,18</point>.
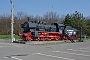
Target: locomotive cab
<point>25,26</point>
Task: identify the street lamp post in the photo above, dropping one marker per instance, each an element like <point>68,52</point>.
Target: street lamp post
<point>12,20</point>
<point>80,34</point>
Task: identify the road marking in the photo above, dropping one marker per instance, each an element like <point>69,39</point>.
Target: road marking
<point>84,48</point>
<point>16,45</point>
<point>9,46</point>
<point>72,53</point>
<point>13,57</point>
<point>77,50</point>
<point>53,56</point>
<point>2,46</point>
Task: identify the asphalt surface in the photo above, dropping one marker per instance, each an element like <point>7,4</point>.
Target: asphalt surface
<point>63,51</point>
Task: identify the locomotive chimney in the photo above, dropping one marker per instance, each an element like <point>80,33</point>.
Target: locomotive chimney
<point>28,19</point>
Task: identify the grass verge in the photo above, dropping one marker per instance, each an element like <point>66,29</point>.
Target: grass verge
<point>8,36</point>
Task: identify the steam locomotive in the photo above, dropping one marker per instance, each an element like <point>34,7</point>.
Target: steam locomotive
<point>41,31</point>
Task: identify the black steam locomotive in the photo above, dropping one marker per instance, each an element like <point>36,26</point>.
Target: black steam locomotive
<point>37,30</point>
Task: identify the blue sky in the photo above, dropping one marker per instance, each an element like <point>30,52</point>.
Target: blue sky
<point>40,7</point>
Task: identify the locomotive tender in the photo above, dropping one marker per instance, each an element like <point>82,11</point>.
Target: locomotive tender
<point>40,31</point>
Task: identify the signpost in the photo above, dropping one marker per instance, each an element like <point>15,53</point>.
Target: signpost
<point>12,20</point>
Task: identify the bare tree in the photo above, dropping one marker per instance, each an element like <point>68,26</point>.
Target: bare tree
<point>51,17</point>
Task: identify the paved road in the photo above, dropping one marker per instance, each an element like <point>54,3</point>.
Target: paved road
<point>68,51</point>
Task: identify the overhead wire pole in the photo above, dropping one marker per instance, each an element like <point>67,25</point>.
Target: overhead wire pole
<point>52,12</point>
<point>52,8</point>
<point>12,20</point>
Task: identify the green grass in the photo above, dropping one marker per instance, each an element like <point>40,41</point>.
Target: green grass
<point>8,36</point>
<point>17,37</point>
<point>3,36</point>
<point>87,38</point>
